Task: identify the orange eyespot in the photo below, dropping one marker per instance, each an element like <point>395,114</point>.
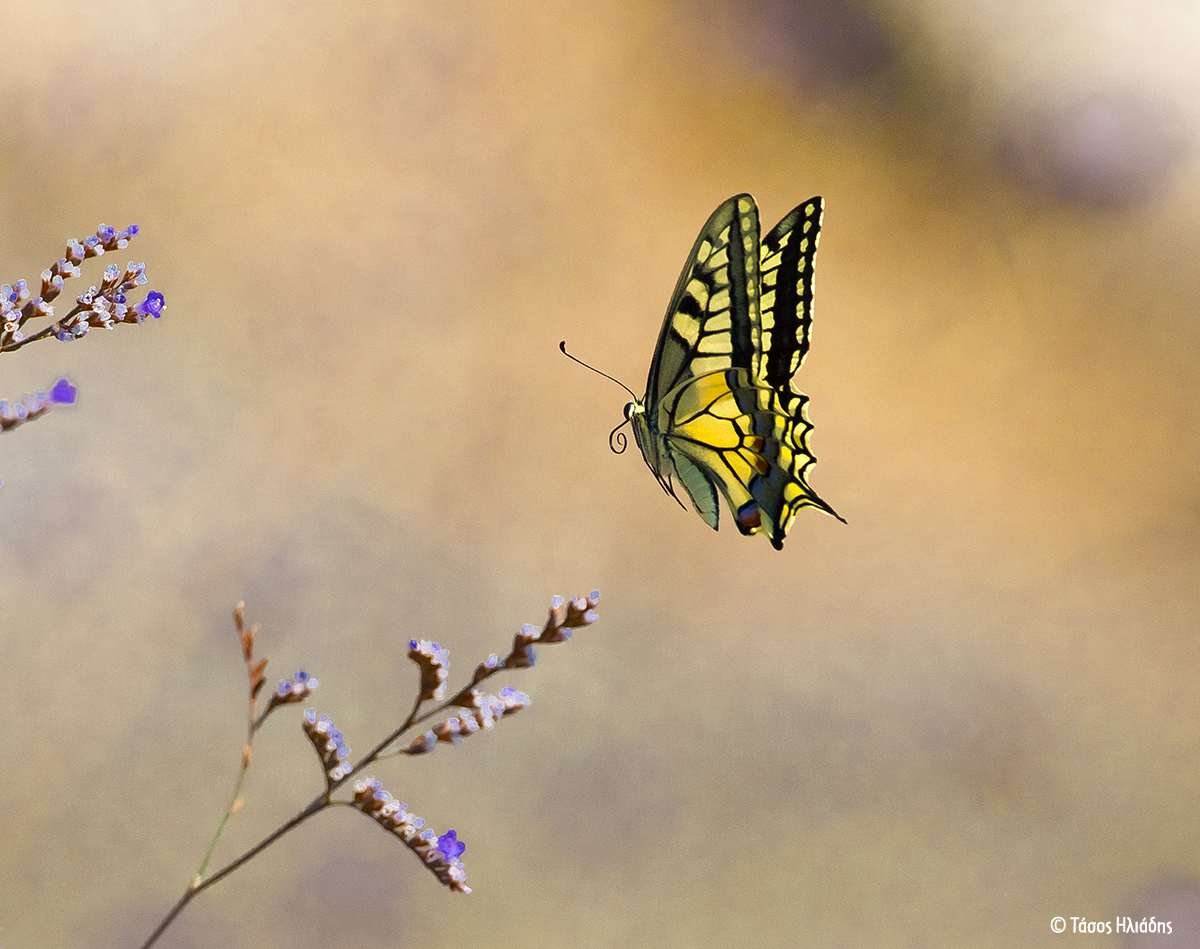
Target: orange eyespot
<point>749,518</point>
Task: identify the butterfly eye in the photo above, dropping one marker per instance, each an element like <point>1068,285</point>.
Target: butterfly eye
<point>628,411</point>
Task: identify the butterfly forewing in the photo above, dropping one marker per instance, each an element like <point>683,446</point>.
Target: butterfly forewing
<point>711,318</point>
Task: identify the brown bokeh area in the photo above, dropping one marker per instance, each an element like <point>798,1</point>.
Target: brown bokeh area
<point>967,711</point>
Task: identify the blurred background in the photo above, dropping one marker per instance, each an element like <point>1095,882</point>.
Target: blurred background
<point>967,711</point>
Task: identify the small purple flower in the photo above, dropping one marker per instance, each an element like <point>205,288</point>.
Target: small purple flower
<point>63,392</point>
<point>450,846</point>
<point>433,661</point>
<point>329,745</point>
<point>151,306</point>
<point>512,701</point>
<point>486,668</point>
<point>289,691</point>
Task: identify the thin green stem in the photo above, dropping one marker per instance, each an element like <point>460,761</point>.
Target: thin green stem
<point>318,804</point>
<point>237,793</point>
<point>251,728</point>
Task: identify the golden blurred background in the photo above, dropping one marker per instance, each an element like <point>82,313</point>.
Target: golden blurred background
<point>971,709</point>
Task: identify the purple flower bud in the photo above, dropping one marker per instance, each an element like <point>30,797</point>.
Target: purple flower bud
<point>63,392</point>
<point>422,745</point>
<point>512,700</point>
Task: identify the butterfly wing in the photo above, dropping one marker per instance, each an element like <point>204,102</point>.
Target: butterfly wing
<point>712,317</point>
<point>720,413</point>
<point>785,310</point>
<point>727,433</point>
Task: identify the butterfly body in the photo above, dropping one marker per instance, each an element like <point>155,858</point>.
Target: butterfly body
<point>720,415</point>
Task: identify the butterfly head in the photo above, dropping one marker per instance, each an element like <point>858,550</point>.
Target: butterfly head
<point>636,416</point>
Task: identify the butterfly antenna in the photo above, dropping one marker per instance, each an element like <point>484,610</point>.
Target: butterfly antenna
<point>563,347</point>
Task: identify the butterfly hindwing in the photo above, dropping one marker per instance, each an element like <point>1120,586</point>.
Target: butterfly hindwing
<point>726,432</point>
<point>720,415</point>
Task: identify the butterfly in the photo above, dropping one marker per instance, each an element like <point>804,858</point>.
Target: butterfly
<point>720,414</point>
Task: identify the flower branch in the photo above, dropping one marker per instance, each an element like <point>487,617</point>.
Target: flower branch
<point>475,712</point>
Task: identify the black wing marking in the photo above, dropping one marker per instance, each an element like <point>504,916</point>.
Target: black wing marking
<point>785,315</point>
